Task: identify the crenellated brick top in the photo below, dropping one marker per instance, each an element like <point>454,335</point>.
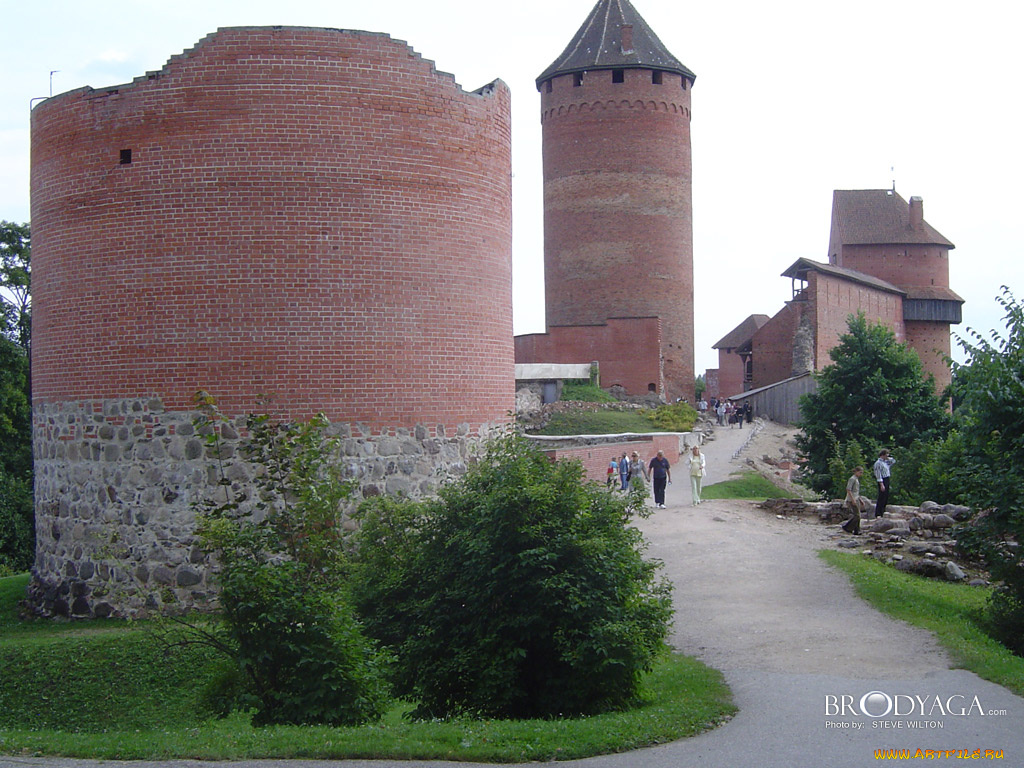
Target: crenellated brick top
<point>316,214</point>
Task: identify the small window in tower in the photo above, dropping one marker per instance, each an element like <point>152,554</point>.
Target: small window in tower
<point>577,79</point>
<point>618,75</point>
<point>547,86</point>
<point>656,77</point>
<point>684,82</point>
<point>126,157</point>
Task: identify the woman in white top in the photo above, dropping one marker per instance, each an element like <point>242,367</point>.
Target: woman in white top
<point>698,469</point>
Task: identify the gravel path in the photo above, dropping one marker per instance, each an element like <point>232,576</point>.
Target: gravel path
<point>755,601</point>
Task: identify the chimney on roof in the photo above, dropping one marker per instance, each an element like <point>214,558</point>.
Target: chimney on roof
<point>916,213</point>
<point>627,38</point>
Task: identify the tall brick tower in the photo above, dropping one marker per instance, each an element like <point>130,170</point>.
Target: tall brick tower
<point>618,224</point>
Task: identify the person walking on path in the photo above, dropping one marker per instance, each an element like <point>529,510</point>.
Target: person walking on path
<point>637,473</point>
<point>698,468</point>
<point>624,472</point>
<point>882,475</point>
<point>852,502</point>
<point>661,474</point>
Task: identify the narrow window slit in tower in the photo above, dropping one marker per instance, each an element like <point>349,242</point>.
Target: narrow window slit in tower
<point>547,85</point>
<point>126,157</point>
<point>618,75</point>
<point>577,79</point>
<point>656,77</point>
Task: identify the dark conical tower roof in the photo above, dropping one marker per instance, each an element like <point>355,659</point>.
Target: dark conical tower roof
<point>601,44</point>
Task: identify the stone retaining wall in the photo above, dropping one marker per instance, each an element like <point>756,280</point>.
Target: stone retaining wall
<point>118,483</point>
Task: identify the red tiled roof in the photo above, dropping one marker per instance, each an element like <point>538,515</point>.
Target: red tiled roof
<point>742,333</point>
<point>801,267</point>
<point>879,216</point>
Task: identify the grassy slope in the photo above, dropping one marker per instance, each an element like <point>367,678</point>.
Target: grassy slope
<point>597,423</point>
<point>108,690</point>
<point>744,485</point>
<point>953,612</point>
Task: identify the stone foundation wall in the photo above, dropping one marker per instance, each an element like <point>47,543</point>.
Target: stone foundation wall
<point>118,483</point>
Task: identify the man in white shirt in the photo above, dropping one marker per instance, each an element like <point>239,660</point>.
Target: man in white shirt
<point>882,475</point>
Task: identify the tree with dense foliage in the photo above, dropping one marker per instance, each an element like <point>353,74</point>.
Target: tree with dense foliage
<point>16,282</point>
<point>17,533</point>
<point>875,394</point>
<point>298,654</point>
<point>989,390</point>
<point>520,592</point>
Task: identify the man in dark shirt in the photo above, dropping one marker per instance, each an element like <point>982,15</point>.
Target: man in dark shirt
<point>662,474</point>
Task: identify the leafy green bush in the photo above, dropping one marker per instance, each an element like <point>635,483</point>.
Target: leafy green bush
<point>282,573</point>
<point>875,393</point>
<point>17,531</point>
<point>990,392</point>
<point>521,592</point>
<point>677,417</point>
<point>585,392</point>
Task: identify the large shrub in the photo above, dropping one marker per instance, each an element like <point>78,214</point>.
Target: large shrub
<point>675,417</point>
<point>521,592</point>
<point>874,393</point>
<point>989,388</point>
<point>17,534</point>
<point>17,525</point>
<point>292,637</point>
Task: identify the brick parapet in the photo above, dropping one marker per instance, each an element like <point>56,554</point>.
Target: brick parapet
<point>302,213</point>
<point>596,456</point>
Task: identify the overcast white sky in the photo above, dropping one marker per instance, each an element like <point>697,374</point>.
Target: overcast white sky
<point>793,99</point>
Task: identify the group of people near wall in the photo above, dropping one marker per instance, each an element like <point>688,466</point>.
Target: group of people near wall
<point>727,412</point>
<point>630,470</point>
<point>882,470</point>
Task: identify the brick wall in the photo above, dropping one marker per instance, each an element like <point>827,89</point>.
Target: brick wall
<point>712,383</point>
<point>932,343</point>
<point>730,373</point>
<point>596,458</point>
<point>833,300</point>
<point>313,213</point>
<point>628,350</point>
<point>618,232</point>
<point>902,265</point>
<point>825,307</point>
<point>773,345</point>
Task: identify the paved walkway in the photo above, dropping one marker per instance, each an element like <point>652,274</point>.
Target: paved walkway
<point>793,642</point>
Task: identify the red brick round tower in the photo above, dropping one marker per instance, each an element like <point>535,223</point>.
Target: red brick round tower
<point>314,214</point>
<point>618,225</point>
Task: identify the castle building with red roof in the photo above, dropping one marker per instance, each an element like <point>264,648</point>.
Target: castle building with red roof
<point>885,261</point>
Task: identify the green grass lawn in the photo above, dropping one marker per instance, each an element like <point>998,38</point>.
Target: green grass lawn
<point>597,423</point>
<point>108,690</point>
<point>744,485</point>
<point>953,612</point>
